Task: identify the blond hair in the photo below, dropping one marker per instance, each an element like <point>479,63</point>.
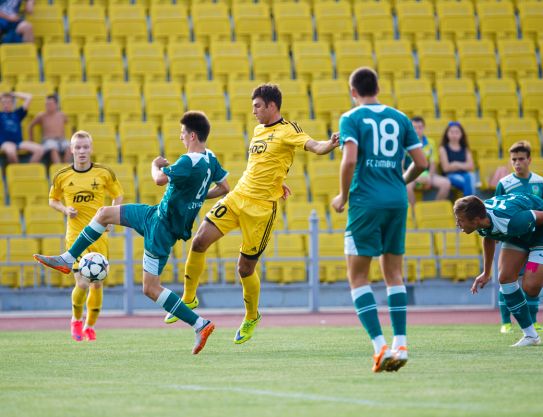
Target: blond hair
<point>81,134</point>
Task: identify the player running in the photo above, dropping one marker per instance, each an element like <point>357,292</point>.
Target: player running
<point>374,139</point>
<point>252,205</point>
<point>188,180</point>
<point>78,191</point>
<point>514,219</point>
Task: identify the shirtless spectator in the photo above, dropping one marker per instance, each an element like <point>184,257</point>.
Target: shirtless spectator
<point>52,122</point>
<point>12,25</point>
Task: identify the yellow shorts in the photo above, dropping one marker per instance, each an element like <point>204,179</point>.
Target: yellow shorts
<point>255,218</point>
<point>99,246</point>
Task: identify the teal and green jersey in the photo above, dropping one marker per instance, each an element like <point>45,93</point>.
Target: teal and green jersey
<point>511,184</point>
<point>382,135</point>
<point>189,179</point>
<point>513,220</point>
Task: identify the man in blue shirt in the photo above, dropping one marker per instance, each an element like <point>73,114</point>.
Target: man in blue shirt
<point>13,27</point>
<point>11,135</point>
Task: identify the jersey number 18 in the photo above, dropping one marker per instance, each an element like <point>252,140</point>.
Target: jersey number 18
<point>382,138</point>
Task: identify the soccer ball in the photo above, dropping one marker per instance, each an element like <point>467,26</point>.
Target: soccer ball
<point>94,266</point>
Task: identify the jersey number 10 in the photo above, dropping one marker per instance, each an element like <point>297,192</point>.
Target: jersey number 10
<point>382,138</point>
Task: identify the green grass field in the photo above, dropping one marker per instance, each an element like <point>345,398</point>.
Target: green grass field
<point>453,371</point>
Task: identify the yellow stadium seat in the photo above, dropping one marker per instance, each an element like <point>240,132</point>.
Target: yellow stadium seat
<point>414,97</point>
<point>286,271</point>
<point>293,22</point>
<point>87,24</point>
<point>351,54</point>
<point>252,22</point>
<point>436,59</point>
<point>325,180</point>
<point>456,20</point>
<point>210,22</point>
<point>416,20</point>
<point>482,137</point>
<point>434,214</point>
<point>54,168</point>
<point>173,146</point>
<point>434,128</point>
<point>333,21</point>
<point>19,62</point>
<point>532,97</point>
<point>497,20</point>
<point>125,173</point>
<point>122,101</point>
<point>477,58</point>
<point>330,99</point>
<point>458,244</point>
<point>498,97</point>
<point>531,18</point>
<point>295,99</point>
<point>312,60</point>
<point>386,95</point>
<point>394,59</point>
<point>50,245</point>
<point>27,184</point>
<point>271,60</point>
<point>187,61</point>
<point>418,245</point>
<point>374,21</point>
<point>169,23</point>
<point>239,94</point>
<point>10,223</point>
<point>456,98</point>
<point>116,253</point>
<point>61,62</point>
<point>229,61</point>
<point>39,93</point>
<point>226,141</point>
<point>145,62</point>
<point>19,250</point>
<point>515,129</point>
<point>316,128</point>
<point>104,62</point>
<point>139,142</point>
<point>298,213</point>
<point>228,248</point>
<point>163,101</point>
<point>518,58</point>
<point>104,144</point>
<point>43,220</point>
<point>47,23</point>
<point>127,23</point>
<point>487,168</point>
<point>80,102</point>
<point>207,96</point>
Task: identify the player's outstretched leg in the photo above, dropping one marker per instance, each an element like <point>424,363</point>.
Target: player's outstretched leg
<point>505,315</point>
<point>55,262</point>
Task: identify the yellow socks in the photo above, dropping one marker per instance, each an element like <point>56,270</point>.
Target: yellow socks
<point>78,300</point>
<point>193,269</point>
<point>251,295</point>
<point>94,305</point>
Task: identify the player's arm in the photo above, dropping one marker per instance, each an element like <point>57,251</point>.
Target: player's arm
<point>489,247</point>
<point>158,176</point>
<point>66,210</point>
<point>346,172</point>
<point>322,147</point>
<point>417,167</point>
<point>220,189</point>
<point>27,97</point>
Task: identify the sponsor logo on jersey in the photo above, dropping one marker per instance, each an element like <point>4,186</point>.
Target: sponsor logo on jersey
<point>83,197</point>
<point>258,147</point>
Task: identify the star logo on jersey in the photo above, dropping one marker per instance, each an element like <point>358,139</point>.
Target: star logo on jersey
<point>270,138</point>
<point>71,184</point>
<point>94,185</point>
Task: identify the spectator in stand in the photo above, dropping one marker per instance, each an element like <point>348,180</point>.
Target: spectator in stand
<point>53,123</point>
<point>11,136</point>
<point>456,159</point>
<point>12,25</point>
<point>429,178</point>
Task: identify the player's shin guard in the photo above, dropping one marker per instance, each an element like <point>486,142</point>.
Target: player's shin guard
<point>366,309</point>
<point>78,300</point>
<point>504,311</point>
<point>516,303</point>
<point>251,295</point>
<point>90,234</point>
<point>94,305</point>
<point>397,307</point>
<point>171,302</point>
<point>193,270</point>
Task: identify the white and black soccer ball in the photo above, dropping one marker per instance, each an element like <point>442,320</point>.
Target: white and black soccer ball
<point>94,266</point>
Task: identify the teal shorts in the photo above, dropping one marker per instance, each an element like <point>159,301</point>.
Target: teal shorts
<point>157,239</point>
<point>372,231</point>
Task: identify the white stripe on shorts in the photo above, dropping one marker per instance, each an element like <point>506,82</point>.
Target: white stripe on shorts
<point>150,264</point>
<point>350,247</point>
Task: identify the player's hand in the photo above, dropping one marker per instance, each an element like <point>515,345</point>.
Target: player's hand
<point>480,282</point>
<point>160,162</point>
<point>338,203</point>
<point>71,212</point>
<point>287,192</point>
<point>335,139</point>
<point>109,228</point>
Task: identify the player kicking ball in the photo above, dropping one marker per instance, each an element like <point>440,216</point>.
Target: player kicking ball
<point>188,180</point>
<point>515,219</point>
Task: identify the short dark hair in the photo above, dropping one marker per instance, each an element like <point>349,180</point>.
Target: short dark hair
<point>521,146</point>
<point>471,206</point>
<point>197,122</point>
<point>270,93</point>
<point>52,97</point>
<point>418,119</point>
<point>364,81</point>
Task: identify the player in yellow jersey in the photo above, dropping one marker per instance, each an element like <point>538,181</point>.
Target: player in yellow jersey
<point>79,191</point>
<point>252,205</point>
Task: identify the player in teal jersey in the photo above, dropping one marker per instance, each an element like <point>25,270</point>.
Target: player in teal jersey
<point>516,219</point>
<point>374,138</point>
<point>521,181</point>
<point>188,180</point>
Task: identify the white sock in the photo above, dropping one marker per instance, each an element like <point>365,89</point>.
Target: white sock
<point>67,256</point>
<point>199,323</point>
<point>399,340</point>
<point>530,331</point>
<point>378,343</point>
